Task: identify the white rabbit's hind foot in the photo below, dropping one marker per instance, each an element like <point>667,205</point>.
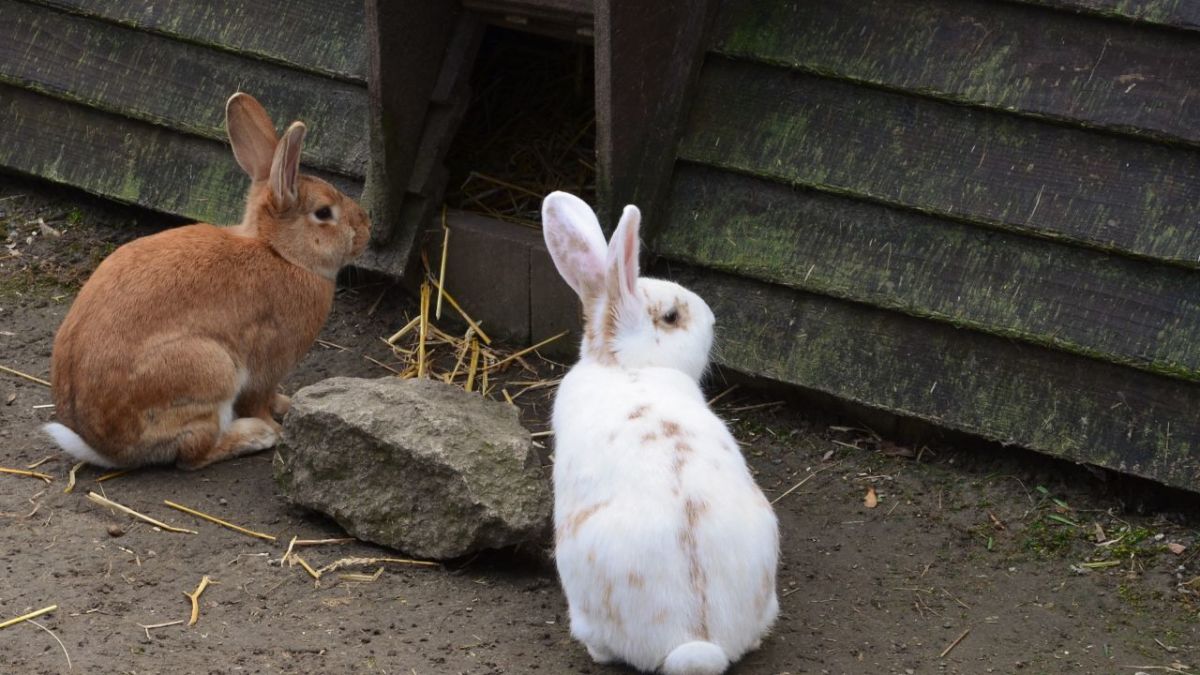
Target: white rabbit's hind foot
<point>600,655</point>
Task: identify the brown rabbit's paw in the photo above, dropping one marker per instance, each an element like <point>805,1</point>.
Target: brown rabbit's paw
<point>245,436</point>
<point>280,405</point>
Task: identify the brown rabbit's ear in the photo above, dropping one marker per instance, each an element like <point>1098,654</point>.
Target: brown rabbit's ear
<point>285,167</point>
<point>252,135</point>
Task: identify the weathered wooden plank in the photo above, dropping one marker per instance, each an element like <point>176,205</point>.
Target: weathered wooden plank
<point>1077,69</point>
<point>124,160</point>
<point>1107,192</point>
<point>1111,308</point>
<point>1183,14</point>
<point>407,43</point>
<point>562,19</point>
<point>1065,405</point>
<point>176,84</point>
<point>322,36</point>
<point>646,67</point>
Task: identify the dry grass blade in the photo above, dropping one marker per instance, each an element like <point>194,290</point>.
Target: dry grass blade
<point>363,578</point>
<point>461,312</point>
<point>322,542</point>
<point>147,627</point>
<point>218,521</point>
<point>194,597</point>
<point>71,478</point>
<point>112,475</point>
<point>403,331</point>
<point>26,376</point>
<point>424,330</point>
<point>722,395</point>
<point>307,568</point>
<point>60,642</point>
<point>105,501</point>
<point>28,474</point>
<point>359,562</point>
<point>474,364</point>
<point>802,482</point>
<point>40,462</point>
<point>27,617</point>
<point>441,284</point>
<point>954,644</point>
<point>523,352</point>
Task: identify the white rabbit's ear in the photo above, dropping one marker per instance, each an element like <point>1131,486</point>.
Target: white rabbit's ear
<point>575,242</point>
<point>285,166</point>
<point>623,252</point>
<point>252,135</point>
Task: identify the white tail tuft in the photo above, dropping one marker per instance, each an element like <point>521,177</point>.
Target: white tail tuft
<point>696,658</point>
<point>75,446</point>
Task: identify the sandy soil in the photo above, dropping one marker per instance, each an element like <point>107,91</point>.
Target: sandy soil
<point>1037,566</point>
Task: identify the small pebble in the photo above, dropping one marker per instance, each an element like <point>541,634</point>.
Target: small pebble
<point>115,531</point>
<point>222,501</point>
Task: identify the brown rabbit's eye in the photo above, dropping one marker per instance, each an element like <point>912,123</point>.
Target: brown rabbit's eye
<point>671,317</point>
<point>324,213</point>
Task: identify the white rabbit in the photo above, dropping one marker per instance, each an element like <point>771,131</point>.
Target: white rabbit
<point>666,547</point>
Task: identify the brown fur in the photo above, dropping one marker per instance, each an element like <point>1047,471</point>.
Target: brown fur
<point>157,338</point>
<point>576,520</point>
<point>693,510</point>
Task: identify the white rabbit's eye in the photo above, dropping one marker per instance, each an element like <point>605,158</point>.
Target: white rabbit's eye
<point>671,317</point>
<point>323,213</point>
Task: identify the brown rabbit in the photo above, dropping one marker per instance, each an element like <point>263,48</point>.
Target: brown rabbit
<point>175,346</point>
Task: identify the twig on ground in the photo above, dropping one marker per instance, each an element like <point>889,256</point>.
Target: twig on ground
<point>105,501</point>
<point>26,376</point>
<point>802,482</point>
<point>218,521</point>
<point>194,596</point>
<point>30,474</point>
<point>954,644</point>
<point>147,627</point>
<point>27,617</point>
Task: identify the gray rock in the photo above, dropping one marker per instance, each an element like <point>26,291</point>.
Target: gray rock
<point>416,465</point>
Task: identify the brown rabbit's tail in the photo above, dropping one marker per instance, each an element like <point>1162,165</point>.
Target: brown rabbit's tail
<point>75,446</point>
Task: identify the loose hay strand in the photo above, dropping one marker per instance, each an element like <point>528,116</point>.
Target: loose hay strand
<point>437,314</point>
<point>31,474</point>
<point>26,376</point>
<point>461,312</point>
<point>355,562</point>
<point>113,474</point>
<point>424,330</point>
<point>474,363</point>
<point>71,478</point>
<point>523,352</point>
<point>60,642</point>
<point>218,521</point>
<point>400,333</point>
<point>307,568</point>
<point>105,501</point>
<point>194,596</point>
<point>27,617</point>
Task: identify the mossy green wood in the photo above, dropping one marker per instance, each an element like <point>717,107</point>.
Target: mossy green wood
<point>1069,406</point>
<point>1077,69</point>
<point>1184,14</point>
<point>1127,311</point>
<point>124,160</point>
<point>176,84</point>
<point>322,36</point>
<point>1111,193</point>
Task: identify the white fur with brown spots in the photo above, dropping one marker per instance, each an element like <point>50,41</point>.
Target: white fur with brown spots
<point>665,545</point>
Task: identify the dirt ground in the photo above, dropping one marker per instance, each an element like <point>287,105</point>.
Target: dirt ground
<point>972,560</point>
